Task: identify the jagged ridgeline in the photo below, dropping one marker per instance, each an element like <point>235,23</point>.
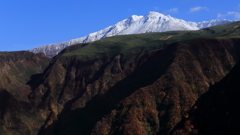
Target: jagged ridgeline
<point>142,84</point>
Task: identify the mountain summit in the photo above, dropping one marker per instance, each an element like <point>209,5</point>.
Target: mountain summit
<point>151,22</point>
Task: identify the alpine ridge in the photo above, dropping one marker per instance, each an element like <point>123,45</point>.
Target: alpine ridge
<point>151,22</point>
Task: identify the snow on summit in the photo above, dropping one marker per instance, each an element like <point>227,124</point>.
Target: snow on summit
<point>151,22</point>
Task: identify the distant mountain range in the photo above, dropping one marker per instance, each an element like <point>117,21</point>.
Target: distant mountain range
<point>151,22</point>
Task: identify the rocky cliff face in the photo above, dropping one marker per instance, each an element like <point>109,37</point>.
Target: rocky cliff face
<point>154,83</point>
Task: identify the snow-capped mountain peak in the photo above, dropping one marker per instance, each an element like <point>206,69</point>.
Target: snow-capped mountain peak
<point>135,17</point>
<point>154,14</point>
<point>151,22</point>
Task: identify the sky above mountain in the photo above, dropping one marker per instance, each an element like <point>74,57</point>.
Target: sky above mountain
<point>27,24</point>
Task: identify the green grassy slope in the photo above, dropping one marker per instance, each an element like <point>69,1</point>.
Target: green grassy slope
<point>111,46</point>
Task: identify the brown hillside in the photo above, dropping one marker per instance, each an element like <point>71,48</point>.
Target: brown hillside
<point>16,68</point>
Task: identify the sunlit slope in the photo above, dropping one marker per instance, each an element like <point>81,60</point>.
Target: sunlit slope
<point>112,45</point>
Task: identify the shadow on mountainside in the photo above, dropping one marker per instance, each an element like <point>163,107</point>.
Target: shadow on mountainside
<point>85,118</point>
<point>217,111</point>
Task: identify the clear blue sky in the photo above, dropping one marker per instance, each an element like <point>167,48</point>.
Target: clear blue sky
<point>26,24</point>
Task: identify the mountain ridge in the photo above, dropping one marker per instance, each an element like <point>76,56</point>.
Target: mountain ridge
<point>151,22</point>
